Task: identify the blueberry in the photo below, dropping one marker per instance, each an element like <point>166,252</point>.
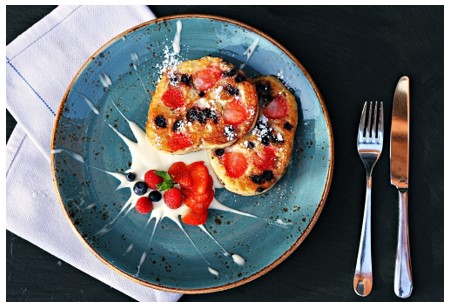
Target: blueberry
<point>232,90</point>
<point>239,78</point>
<point>250,145</point>
<point>155,196</point>
<point>230,73</point>
<point>288,126</point>
<point>264,177</point>
<point>185,79</point>
<point>192,115</point>
<point>130,176</point>
<point>160,121</point>
<point>140,188</point>
<point>201,94</point>
<point>219,152</point>
<point>177,125</point>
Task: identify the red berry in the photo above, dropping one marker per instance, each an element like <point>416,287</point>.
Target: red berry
<point>173,198</point>
<point>193,218</point>
<point>277,108</point>
<point>200,202</point>
<point>200,173</point>
<point>151,179</point>
<point>235,164</point>
<point>264,160</point>
<point>206,78</point>
<point>144,205</point>
<point>179,141</point>
<point>180,174</point>
<point>173,98</point>
<point>234,113</point>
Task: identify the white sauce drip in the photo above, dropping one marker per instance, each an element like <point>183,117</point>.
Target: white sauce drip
<point>177,38</point>
<point>249,52</point>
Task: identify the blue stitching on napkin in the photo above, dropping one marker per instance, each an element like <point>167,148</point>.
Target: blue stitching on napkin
<point>29,85</point>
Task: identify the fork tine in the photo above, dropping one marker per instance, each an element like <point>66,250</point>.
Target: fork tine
<point>369,121</point>
<point>362,122</point>
<point>374,124</point>
<point>380,123</point>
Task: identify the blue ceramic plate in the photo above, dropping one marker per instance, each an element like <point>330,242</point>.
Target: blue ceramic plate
<point>89,156</point>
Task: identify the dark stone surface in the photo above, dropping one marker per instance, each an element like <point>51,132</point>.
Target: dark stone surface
<point>353,54</point>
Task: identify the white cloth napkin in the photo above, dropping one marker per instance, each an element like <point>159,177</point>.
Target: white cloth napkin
<point>40,65</point>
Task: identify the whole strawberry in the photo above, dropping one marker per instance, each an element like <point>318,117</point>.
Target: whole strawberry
<point>173,198</point>
<point>144,205</point>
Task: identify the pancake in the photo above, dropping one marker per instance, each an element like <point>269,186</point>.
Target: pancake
<point>201,104</point>
<point>256,162</point>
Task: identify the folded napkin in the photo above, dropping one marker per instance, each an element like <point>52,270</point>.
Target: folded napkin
<point>40,65</point>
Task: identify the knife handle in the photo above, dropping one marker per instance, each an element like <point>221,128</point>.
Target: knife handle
<point>403,275</point>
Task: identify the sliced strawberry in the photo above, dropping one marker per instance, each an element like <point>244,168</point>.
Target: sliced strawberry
<point>181,175</point>
<point>234,113</point>
<point>152,180</point>
<point>179,141</point>
<point>144,205</point>
<point>193,218</point>
<point>206,78</point>
<point>173,98</point>
<point>200,202</point>
<point>235,164</point>
<point>264,160</point>
<point>199,172</point>
<point>277,108</point>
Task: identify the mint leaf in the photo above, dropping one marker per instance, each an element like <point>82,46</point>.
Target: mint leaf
<point>164,175</point>
<point>165,185</point>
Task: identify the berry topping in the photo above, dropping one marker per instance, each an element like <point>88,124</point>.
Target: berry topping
<point>202,94</point>
<point>234,113</point>
<point>194,218</point>
<point>264,160</point>
<point>277,108</point>
<point>235,164</point>
<point>206,78</point>
<point>230,73</point>
<point>140,188</point>
<point>186,79</point>
<point>160,121</point>
<point>179,141</point>
<point>288,126</point>
<point>173,198</point>
<point>173,98</point>
<point>177,124</point>
<point>219,152</point>
<point>264,92</point>
<point>250,145</point>
<point>130,177</point>
<point>144,205</point>
<point>239,78</point>
<point>155,196</point>
<point>152,179</point>
<point>232,90</point>
<point>260,179</point>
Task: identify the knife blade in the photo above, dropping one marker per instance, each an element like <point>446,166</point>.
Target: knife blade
<point>399,152</point>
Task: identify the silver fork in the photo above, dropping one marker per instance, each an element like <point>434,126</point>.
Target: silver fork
<point>370,145</point>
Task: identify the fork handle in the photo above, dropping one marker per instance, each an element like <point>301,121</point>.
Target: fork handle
<point>363,278</point>
<point>403,274</point>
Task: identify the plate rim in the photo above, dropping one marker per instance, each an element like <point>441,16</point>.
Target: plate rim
<point>289,251</point>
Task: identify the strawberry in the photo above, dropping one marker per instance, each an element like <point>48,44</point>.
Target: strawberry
<point>152,179</point>
<point>173,98</point>
<point>181,175</point>
<point>179,141</point>
<point>206,78</point>
<point>173,198</point>
<point>193,218</point>
<point>200,173</point>
<point>199,202</point>
<point>235,164</point>
<point>144,205</point>
<point>265,159</point>
<point>277,108</point>
<point>234,113</point>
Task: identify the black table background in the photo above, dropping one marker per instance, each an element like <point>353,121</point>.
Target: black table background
<point>353,54</point>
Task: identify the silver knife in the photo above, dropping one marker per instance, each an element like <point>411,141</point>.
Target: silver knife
<point>399,178</point>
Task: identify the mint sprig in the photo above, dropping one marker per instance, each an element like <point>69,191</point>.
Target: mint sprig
<point>167,181</point>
